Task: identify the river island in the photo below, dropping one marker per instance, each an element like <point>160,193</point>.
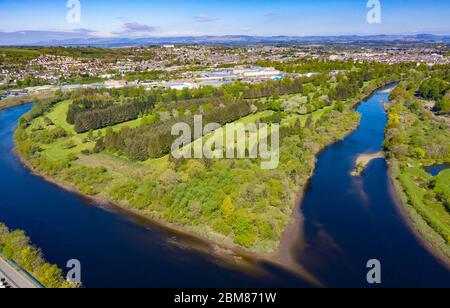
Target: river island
<point>114,147</point>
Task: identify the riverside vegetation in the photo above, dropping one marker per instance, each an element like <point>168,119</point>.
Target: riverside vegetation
<point>418,136</point>
<point>15,245</point>
<point>114,144</point>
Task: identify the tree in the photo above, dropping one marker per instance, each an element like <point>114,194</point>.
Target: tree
<point>443,106</point>
<point>433,89</point>
<point>419,153</point>
<point>309,122</point>
<point>90,135</point>
<point>342,91</point>
<point>227,209</point>
<point>399,92</point>
<point>394,119</point>
<point>340,106</point>
<point>244,230</point>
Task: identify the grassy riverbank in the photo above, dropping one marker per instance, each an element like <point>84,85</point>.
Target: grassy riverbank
<point>409,194</point>
<point>415,139</point>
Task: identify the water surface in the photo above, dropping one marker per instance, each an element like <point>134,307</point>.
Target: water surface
<point>436,169</point>
<point>350,220</point>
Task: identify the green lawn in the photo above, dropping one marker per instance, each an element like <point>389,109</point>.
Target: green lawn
<point>415,182</point>
<point>58,115</point>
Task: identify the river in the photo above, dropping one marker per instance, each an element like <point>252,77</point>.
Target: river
<point>351,220</point>
<point>347,222</point>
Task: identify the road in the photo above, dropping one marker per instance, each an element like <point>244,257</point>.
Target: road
<point>15,278</point>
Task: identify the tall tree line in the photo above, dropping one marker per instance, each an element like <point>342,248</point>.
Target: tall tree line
<point>154,141</point>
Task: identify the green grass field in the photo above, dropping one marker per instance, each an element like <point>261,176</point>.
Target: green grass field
<point>415,182</point>
<point>58,150</point>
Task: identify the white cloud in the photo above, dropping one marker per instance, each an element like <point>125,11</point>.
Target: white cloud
<point>136,28</point>
<point>204,18</point>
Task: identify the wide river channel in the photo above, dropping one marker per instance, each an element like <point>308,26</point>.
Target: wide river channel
<point>347,221</point>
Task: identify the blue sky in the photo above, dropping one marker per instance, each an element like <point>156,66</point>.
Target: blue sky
<point>214,17</point>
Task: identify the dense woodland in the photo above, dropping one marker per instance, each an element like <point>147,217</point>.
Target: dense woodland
<point>154,141</point>
<point>437,89</point>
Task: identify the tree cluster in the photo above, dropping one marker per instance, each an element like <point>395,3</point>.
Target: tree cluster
<point>154,141</point>
<point>433,89</point>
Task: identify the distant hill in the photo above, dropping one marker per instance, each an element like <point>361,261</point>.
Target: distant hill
<point>225,40</point>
